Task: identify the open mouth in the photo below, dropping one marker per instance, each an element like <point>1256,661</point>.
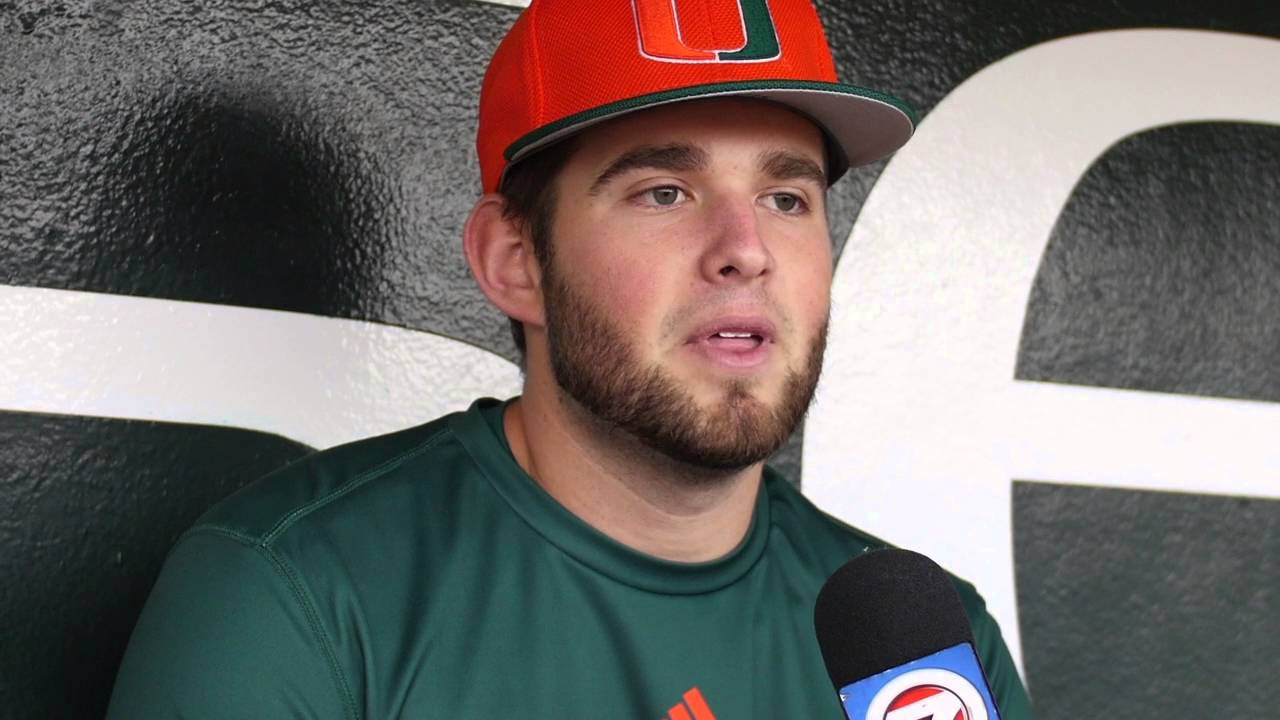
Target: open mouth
<point>740,342</point>
<point>735,341</point>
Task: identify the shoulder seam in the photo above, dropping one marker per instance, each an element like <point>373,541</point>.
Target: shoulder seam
<point>347,487</point>
<point>313,619</point>
<point>218,530</point>
<point>282,568</point>
<point>263,545</point>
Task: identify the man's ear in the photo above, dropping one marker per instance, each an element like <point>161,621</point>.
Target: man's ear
<point>502,260</point>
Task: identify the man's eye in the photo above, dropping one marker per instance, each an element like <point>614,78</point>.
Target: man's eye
<point>664,196</point>
<point>786,202</point>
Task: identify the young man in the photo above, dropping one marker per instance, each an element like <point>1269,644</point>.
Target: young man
<point>609,544</point>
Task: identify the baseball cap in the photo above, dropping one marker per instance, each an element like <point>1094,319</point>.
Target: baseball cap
<point>568,64</point>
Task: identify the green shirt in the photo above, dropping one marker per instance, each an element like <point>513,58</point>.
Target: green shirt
<point>423,574</point>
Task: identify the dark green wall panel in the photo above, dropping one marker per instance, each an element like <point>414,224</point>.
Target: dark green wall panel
<point>91,507</point>
<point>1146,604</point>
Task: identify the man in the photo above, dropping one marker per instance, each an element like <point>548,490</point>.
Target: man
<point>609,544</point>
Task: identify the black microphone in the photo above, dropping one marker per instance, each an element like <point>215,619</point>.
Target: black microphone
<point>897,642</point>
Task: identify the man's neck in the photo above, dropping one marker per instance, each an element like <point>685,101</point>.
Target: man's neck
<point>631,493</point>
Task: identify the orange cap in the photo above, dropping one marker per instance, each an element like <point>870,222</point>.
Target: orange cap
<point>567,64</point>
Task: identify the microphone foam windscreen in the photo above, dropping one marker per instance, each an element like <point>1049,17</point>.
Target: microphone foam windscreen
<point>883,609</point>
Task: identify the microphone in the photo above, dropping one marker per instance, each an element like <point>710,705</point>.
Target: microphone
<point>897,642</point>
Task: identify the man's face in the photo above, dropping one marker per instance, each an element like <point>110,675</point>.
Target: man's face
<point>688,285</point>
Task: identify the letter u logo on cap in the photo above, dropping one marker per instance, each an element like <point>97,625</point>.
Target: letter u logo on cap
<point>666,37</point>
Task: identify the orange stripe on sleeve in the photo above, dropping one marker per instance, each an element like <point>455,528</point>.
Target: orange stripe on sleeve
<point>697,703</point>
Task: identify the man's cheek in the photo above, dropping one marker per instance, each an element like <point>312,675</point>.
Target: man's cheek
<point>818,306</point>
<point>632,289</point>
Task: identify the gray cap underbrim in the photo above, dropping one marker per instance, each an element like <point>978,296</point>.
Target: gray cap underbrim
<point>864,125</point>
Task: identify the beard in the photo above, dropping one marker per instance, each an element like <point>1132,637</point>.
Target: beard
<point>594,365</point>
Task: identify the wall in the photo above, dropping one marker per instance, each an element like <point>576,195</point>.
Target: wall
<point>229,235</point>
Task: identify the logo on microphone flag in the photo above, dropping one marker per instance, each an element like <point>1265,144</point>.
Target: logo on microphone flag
<point>947,685</point>
<point>928,701</point>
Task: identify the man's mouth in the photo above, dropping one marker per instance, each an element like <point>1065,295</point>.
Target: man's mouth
<point>735,340</point>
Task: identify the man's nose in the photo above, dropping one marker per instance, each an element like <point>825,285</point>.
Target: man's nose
<point>736,250</point>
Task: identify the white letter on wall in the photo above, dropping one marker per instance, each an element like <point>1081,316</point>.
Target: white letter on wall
<point>919,427</point>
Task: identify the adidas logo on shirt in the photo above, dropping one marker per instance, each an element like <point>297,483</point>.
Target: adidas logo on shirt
<point>693,707</point>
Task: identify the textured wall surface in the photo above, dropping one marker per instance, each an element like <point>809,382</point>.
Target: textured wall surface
<point>90,508</point>
<point>1172,600</point>
<point>1162,271</point>
<point>1161,275</point>
<point>316,157</point>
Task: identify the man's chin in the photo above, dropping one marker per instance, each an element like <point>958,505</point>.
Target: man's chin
<point>710,390</point>
<point>734,430</point>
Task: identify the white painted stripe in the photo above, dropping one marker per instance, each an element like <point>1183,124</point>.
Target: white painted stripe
<point>920,427</point>
<point>512,3</point>
<point>318,380</point>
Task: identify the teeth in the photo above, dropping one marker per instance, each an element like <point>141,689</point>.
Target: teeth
<point>724,334</point>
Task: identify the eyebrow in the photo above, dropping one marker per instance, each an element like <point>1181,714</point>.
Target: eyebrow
<point>787,165</point>
<point>674,158</point>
